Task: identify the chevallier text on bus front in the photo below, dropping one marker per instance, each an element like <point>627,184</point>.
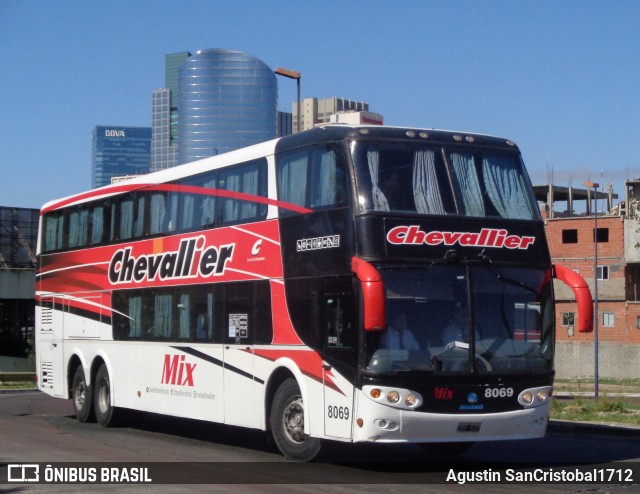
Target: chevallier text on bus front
<point>487,237</point>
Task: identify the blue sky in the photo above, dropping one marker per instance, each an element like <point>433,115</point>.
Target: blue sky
<point>562,79</point>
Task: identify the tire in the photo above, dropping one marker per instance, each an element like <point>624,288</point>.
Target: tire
<point>287,424</point>
<point>82,396</point>
<point>105,412</point>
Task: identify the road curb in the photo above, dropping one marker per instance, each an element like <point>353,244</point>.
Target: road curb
<point>591,394</point>
<point>605,428</point>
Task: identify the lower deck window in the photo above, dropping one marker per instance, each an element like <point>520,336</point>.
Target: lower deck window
<point>229,312</point>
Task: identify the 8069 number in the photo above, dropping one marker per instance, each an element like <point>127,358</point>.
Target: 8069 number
<point>336,412</point>
<point>498,392</point>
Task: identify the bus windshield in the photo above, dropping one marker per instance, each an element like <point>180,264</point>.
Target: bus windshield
<point>430,312</point>
<point>411,177</point>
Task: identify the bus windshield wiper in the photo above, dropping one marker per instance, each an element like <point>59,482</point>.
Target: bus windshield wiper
<point>484,257</point>
<point>511,281</point>
<point>450,257</point>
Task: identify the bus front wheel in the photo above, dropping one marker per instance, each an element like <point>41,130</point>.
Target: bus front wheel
<point>105,412</point>
<point>82,396</point>
<point>287,424</point>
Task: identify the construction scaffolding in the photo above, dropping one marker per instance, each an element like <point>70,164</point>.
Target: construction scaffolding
<point>18,237</point>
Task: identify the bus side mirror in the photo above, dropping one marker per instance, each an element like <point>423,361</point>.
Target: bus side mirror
<point>582,294</point>
<point>372,294</point>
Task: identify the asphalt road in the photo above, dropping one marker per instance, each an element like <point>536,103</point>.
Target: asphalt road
<point>35,428</point>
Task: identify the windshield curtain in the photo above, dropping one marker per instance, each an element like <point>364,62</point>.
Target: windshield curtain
<point>408,177</point>
<point>430,313</point>
<point>501,191</point>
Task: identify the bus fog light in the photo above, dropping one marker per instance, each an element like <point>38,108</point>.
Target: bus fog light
<point>527,398</point>
<point>542,395</point>
<point>410,400</point>
<point>387,425</point>
<point>393,397</point>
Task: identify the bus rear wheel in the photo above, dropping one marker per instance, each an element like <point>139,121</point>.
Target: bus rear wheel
<point>287,424</point>
<point>105,412</point>
<point>82,396</point>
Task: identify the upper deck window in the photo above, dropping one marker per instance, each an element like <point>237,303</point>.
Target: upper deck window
<point>312,177</point>
<point>403,177</point>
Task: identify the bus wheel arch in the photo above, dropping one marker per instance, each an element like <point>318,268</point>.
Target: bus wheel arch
<point>72,365</point>
<point>286,369</point>
<point>275,380</point>
<point>287,422</point>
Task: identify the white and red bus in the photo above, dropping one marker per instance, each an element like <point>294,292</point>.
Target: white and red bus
<point>310,286</point>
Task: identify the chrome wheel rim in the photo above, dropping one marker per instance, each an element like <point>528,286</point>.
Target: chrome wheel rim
<point>293,420</point>
<point>80,395</point>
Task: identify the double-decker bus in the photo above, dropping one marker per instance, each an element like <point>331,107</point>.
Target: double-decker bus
<point>348,283</point>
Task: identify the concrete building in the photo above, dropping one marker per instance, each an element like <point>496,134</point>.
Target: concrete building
<point>357,118</point>
<point>317,111</point>
<point>163,150</point>
<point>572,241</point>
<point>164,115</point>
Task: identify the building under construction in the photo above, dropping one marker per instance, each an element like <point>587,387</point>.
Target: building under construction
<point>591,235</point>
<point>18,236</point>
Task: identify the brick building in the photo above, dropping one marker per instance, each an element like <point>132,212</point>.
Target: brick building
<point>571,237</point>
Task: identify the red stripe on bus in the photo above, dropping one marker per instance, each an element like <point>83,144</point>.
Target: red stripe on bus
<point>283,331</point>
<point>308,361</point>
<point>186,189</point>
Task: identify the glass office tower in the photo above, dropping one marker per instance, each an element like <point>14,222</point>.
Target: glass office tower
<point>119,151</point>
<point>227,100</point>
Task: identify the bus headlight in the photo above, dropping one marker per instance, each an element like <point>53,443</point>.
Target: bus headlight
<point>535,397</point>
<point>542,395</point>
<point>393,397</point>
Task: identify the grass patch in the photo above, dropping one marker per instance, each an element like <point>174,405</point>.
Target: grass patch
<point>590,410</point>
<point>18,385</point>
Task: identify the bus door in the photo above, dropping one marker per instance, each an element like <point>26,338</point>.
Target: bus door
<point>52,375</point>
<point>340,346</point>
<point>238,326</point>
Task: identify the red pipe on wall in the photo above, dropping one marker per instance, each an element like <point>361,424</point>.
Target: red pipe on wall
<point>582,294</point>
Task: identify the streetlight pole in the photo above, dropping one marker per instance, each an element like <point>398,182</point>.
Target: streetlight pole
<point>594,186</point>
<point>292,74</point>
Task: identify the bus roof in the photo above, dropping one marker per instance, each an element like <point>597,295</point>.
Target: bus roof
<point>324,132</point>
